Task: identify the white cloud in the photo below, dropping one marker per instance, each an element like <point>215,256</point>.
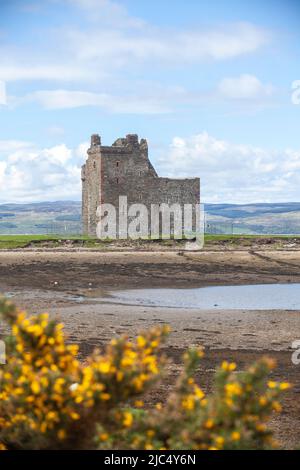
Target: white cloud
<point>118,47</point>
<point>7,146</point>
<point>58,72</point>
<point>234,173</point>
<point>3,100</point>
<point>29,173</point>
<point>61,99</point>
<point>91,53</point>
<point>229,172</point>
<point>2,172</point>
<point>105,52</point>
<point>81,152</point>
<point>244,87</point>
<point>150,98</point>
<point>107,11</point>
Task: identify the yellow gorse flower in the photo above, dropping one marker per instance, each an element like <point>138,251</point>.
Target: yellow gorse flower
<point>49,399</point>
<point>235,436</point>
<point>127,419</point>
<point>233,388</point>
<point>228,366</point>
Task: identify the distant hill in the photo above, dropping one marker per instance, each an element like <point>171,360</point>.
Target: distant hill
<point>60,217</point>
<point>271,218</point>
<point>246,210</point>
<point>56,206</point>
<point>64,217</point>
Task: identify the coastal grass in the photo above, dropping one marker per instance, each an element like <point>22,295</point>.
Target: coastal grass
<point>8,242</point>
<point>237,237</point>
<point>22,241</point>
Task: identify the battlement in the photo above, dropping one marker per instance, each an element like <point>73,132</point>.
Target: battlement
<point>95,140</point>
<point>126,143</point>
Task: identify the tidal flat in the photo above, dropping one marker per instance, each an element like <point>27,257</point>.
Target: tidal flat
<point>74,287</point>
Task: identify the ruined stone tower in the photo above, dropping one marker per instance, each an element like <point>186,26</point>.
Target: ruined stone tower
<point>124,169</point>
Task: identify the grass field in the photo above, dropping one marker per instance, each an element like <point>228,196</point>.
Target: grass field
<point>23,241</point>
<point>237,237</point>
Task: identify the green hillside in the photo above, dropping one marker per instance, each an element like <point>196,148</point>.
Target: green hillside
<point>273,218</point>
<point>64,218</point>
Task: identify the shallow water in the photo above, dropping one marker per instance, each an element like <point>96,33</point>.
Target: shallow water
<point>248,297</point>
<point>9,295</point>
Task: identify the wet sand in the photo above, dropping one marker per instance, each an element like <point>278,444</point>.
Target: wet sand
<point>52,281</point>
<point>74,270</point>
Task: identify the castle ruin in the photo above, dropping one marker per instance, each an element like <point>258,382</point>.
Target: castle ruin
<point>124,169</point>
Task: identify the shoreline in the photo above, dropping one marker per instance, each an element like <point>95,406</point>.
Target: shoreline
<point>74,271</point>
<point>51,281</point>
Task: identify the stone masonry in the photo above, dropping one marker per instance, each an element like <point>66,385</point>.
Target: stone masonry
<point>124,169</point>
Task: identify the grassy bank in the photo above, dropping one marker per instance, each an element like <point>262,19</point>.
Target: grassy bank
<point>56,241</point>
<point>23,241</point>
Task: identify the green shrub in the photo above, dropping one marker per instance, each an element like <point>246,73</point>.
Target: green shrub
<point>50,400</point>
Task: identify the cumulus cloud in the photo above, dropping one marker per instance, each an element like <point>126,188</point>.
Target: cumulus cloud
<point>229,172</point>
<point>244,87</point>
<point>29,173</point>
<point>232,172</point>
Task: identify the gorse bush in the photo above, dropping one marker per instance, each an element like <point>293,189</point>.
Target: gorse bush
<point>50,400</point>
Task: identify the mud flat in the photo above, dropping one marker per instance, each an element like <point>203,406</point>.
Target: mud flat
<point>75,270</point>
<point>72,287</point>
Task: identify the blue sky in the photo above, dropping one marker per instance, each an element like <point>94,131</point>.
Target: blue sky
<point>209,84</point>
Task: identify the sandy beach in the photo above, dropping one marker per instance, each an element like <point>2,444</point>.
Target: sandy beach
<point>71,285</point>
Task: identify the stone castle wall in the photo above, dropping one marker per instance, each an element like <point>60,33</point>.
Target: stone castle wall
<point>124,169</point>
